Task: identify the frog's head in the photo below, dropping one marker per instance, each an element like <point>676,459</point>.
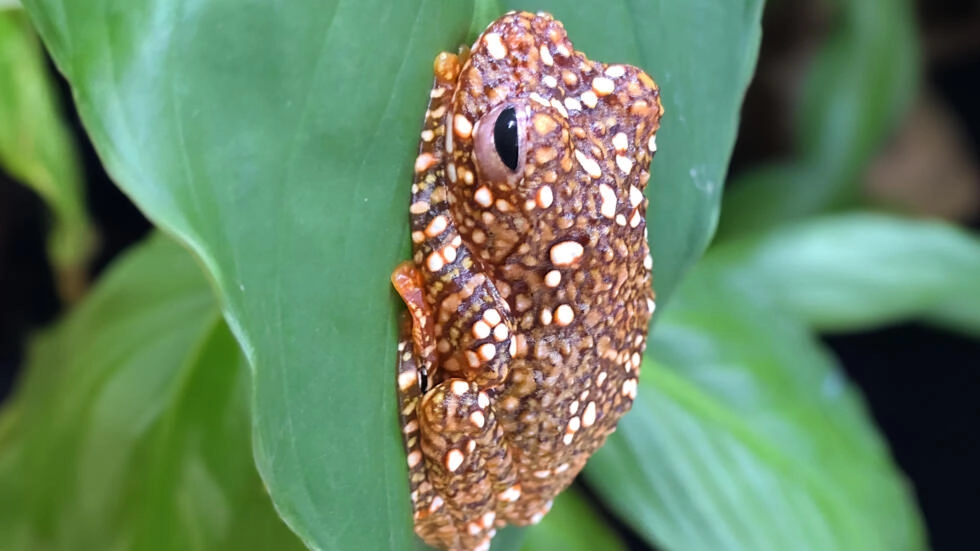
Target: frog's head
<point>544,141</point>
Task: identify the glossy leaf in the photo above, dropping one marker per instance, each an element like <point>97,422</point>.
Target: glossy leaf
<point>131,429</point>
<point>36,148</point>
<point>852,272</point>
<point>745,435</point>
<point>277,141</point>
<point>859,86</point>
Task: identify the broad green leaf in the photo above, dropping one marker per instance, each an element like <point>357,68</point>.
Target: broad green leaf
<point>746,435</point>
<point>36,149</point>
<point>850,272</point>
<point>131,429</point>
<point>860,85</point>
<point>277,142</point>
<point>702,54</point>
<point>572,525</point>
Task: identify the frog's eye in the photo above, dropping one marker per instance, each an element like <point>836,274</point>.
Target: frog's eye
<point>499,145</point>
<point>505,137</point>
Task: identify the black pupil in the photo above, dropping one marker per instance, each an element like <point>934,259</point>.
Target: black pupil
<point>505,137</point>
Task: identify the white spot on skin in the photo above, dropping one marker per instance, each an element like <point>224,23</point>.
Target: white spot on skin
<point>488,519</point>
<point>559,107</point>
<point>483,197</point>
<point>602,86</point>
<point>574,424</point>
<point>536,97</point>
<point>411,427</point>
<point>436,226</point>
<point>544,197</point>
<point>414,458</point>
<point>589,165</point>
<point>589,98</point>
<point>459,388</point>
<point>492,317</point>
<point>495,46</point>
<point>481,330</point>
<point>542,474</point>
<point>483,400</point>
<point>562,50</point>
<point>437,502</point>
<point>608,207</point>
<point>419,207</point>
<point>569,436</point>
<point>564,315</point>
<point>624,164</point>
<point>435,262</point>
<point>454,458</point>
<point>635,219</point>
<point>620,219</point>
<point>451,172</point>
<point>449,254</point>
<point>500,333</point>
<point>512,348</point>
<point>427,135</point>
<point>588,417</point>
<point>418,237</point>
<point>546,317</point>
<point>600,379</point>
<point>651,306</point>
<point>473,528</point>
<point>424,162</point>
<point>615,71</point>
<point>552,278</point>
<point>652,144</point>
<point>546,56</point>
<point>550,81</point>
<point>648,262</point>
<point>558,470</point>
<point>486,351</point>
<point>636,196</point>
<point>407,379</point>
<point>621,142</point>
<point>566,253</point>
<point>478,419</point>
<point>573,408</point>
<point>510,494</point>
<point>573,104</point>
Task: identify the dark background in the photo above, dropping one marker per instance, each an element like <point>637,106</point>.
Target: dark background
<point>921,384</point>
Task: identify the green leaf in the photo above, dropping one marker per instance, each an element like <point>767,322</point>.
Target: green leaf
<point>572,525</point>
<point>277,142</point>
<point>745,435</point>
<point>36,148</point>
<point>131,429</point>
<point>860,85</point>
<point>702,76</point>
<point>850,272</point>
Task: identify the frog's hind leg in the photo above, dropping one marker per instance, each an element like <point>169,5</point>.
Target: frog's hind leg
<point>432,522</point>
<point>464,460</point>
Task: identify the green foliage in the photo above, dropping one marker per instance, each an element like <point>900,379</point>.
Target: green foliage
<point>861,82</point>
<point>276,143</point>
<point>133,423</point>
<point>36,149</point>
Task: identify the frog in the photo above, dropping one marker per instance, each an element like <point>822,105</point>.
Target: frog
<point>529,292</point>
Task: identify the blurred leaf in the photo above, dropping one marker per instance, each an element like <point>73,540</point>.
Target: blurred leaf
<point>131,428</point>
<point>36,148</point>
<point>572,525</point>
<point>851,272</point>
<point>745,435</point>
<point>861,83</point>
<point>284,163</point>
<point>702,77</point>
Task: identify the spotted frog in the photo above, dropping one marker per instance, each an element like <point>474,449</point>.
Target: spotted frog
<point>529,291</point>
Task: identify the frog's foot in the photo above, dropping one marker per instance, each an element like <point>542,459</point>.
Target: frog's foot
<point>468,468</point>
